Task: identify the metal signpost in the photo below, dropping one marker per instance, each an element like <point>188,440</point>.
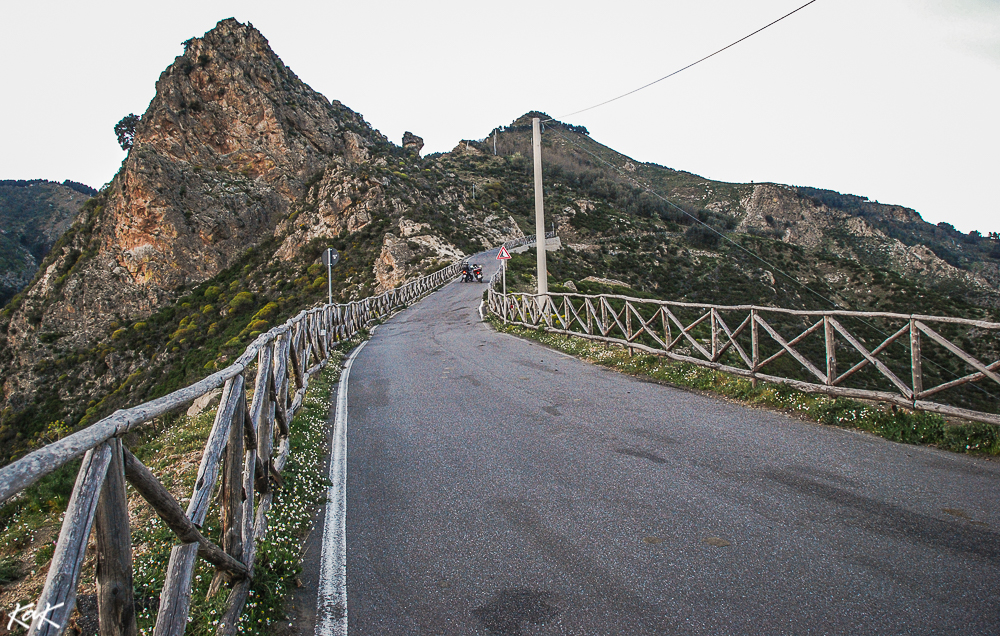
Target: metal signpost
<point>330,258</point>
<point>503,256</point>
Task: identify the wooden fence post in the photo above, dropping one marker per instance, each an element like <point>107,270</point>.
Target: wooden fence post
<point>64,571</point>
<point>754,344</point>
<point>715,335</point>
<point>916,362</point>
<point>628,326</point>
<point>831,351</point>
<point>115,602</point>
<point>260,410</point>
<point>231,513</point>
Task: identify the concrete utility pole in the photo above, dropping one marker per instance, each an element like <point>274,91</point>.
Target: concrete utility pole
<point>536,145</point>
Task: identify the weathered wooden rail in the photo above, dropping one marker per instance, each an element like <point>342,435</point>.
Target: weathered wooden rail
<point>248,446</point>
<point>706,339</point>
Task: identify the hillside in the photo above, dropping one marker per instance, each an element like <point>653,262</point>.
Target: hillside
<point>734,244</point>
<point>33,215</point>
<point>238,178</point>
<point>605,207</point>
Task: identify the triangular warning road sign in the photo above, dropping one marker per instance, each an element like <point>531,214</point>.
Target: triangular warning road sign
<point>504,254</point>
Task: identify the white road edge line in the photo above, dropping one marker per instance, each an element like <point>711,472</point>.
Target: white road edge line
<point>331,600</point>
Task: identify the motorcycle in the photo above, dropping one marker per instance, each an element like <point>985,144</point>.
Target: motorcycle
<point>472,273</point>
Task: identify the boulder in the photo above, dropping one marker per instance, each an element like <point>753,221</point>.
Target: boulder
<point>200,404</point>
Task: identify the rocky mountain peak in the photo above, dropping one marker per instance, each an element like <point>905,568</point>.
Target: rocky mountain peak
<point>230,102</point>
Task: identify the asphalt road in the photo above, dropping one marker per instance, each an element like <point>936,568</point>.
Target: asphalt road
<point>498,487</point>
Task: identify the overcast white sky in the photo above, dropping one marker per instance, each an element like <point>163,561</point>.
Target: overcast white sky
<point>897,100</point>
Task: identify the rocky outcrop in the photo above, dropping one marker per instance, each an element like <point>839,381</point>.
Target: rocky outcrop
<point>412,143</point>
<point>228,143</point>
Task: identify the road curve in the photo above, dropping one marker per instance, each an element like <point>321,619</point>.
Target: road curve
<point>498,487</point>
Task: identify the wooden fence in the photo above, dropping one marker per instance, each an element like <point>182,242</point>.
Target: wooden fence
<point>248,446</point>
<point>747,340</point>
<point>525,240</point>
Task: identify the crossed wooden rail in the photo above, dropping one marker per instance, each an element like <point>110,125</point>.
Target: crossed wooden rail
<point>241,445</point>
<point>655,327</point>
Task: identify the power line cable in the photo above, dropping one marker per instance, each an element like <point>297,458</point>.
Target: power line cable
<point>795,280</point>
<point>729,46</point>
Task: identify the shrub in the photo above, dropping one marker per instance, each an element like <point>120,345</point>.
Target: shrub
<point>266,312</point>
<point>119,334</point>
<point>700,236</point>
<point>10,569</point>
<point>140,326</point>
<point>212,292</point>
<point>241,302</point>
<point>974,436</point>
<point>207,309</point>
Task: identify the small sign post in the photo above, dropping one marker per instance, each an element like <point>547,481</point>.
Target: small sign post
<point>503,256</point>
<point>330,258</point>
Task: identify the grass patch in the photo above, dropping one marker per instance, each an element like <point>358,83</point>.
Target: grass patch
<point>896,424</point>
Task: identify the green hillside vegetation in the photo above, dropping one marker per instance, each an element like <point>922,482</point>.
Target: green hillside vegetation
<point>33,214</point>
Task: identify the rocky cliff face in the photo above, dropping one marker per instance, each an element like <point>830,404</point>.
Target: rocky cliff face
<point>225,147</point>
